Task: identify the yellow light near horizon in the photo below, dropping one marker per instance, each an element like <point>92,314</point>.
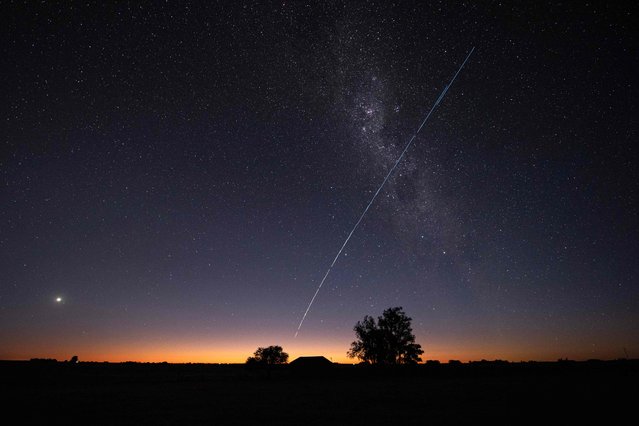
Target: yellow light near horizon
<point>58,299</point>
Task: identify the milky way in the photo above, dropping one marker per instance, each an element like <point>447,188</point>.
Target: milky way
<point>369,112</point>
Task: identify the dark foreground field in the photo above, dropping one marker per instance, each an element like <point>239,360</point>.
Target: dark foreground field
<point>92,393</point>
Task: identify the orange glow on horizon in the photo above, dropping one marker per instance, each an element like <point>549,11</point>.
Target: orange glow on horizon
<point>234,352</point>
<point>196,347</point>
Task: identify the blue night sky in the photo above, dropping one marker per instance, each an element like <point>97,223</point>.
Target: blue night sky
<point>182,175</point>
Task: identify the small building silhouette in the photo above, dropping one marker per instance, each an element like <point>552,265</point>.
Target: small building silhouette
<point>311,362</point>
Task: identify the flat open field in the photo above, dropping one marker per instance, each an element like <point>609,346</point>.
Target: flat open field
<point>158,394</point>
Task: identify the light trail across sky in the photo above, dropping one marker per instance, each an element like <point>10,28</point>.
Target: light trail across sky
<point>390,172</point>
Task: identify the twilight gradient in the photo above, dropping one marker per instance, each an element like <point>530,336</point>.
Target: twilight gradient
<point>176,179</point>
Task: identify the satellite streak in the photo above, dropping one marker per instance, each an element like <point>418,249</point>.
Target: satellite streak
<point>390,172</point>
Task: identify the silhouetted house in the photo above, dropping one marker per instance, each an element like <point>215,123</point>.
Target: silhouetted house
<point>311,362</point>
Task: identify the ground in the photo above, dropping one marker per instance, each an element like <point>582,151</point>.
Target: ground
<point>97,393</point>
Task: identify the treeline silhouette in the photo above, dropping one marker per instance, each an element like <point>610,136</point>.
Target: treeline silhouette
<point>73,360</point>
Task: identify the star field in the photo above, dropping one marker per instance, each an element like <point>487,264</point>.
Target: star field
<point>176,178</point>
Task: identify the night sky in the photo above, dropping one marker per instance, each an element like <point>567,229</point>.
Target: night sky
<point>181,176</point>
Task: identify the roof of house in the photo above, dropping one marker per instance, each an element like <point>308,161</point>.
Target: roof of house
<point>311,361</point>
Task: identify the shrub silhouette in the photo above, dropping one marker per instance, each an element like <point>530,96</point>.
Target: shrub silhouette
<point>268,356</point>
<point>390,340</point>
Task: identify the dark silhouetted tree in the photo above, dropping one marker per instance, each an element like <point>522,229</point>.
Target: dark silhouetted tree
<point>390,340</point>
<point>268,356</point>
